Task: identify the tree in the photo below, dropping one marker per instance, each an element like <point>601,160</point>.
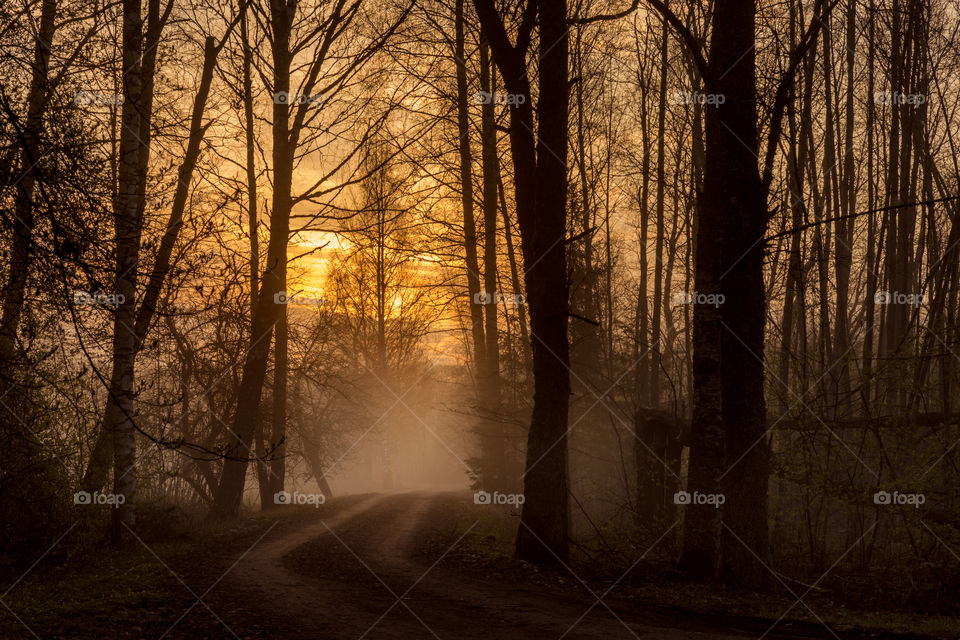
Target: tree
<point>539,161</point>
<point>128,227</point>
<point>729,410</point>
<point>131,323</point>
<point>734,197</point>
<point>292,126</point>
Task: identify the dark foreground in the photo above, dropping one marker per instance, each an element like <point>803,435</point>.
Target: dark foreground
<point>377,567</point>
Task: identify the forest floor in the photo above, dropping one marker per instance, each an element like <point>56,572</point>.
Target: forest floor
<point>412,565</point>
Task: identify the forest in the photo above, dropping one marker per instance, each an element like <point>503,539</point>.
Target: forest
<point>479,319</point>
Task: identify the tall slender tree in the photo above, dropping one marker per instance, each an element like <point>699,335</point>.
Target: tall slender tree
<point>540,179</point>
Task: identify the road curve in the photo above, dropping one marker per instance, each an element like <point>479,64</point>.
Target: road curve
<point>376,588</point>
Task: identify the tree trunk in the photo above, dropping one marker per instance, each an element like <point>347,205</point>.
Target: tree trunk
<point>540,187</point>
<point>253,220</point>
<point>844,247</point>
<point>23,210</point>
<point>542,537</point>
<point>734,195</point>
<point>127,228</point>
<point>230,491</point>
<point>277,473</point>
<point>490,383</point>
<point>515,275</point>
<point>656,348</point>
<point>466,199</point>
<point>866,394</point>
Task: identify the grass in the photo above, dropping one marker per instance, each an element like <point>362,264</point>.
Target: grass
<point>118,594</point>
<point>488,549</point>
<point>85,589</point>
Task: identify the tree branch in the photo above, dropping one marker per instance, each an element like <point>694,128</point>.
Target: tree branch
<point>808,40</point>
<point>606,16</point>
<point>686,36</point>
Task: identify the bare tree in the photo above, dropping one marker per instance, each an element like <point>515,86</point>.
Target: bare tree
<point>539,166</point>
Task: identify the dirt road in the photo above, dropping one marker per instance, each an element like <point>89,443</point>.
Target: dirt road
<point>354,573</point>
